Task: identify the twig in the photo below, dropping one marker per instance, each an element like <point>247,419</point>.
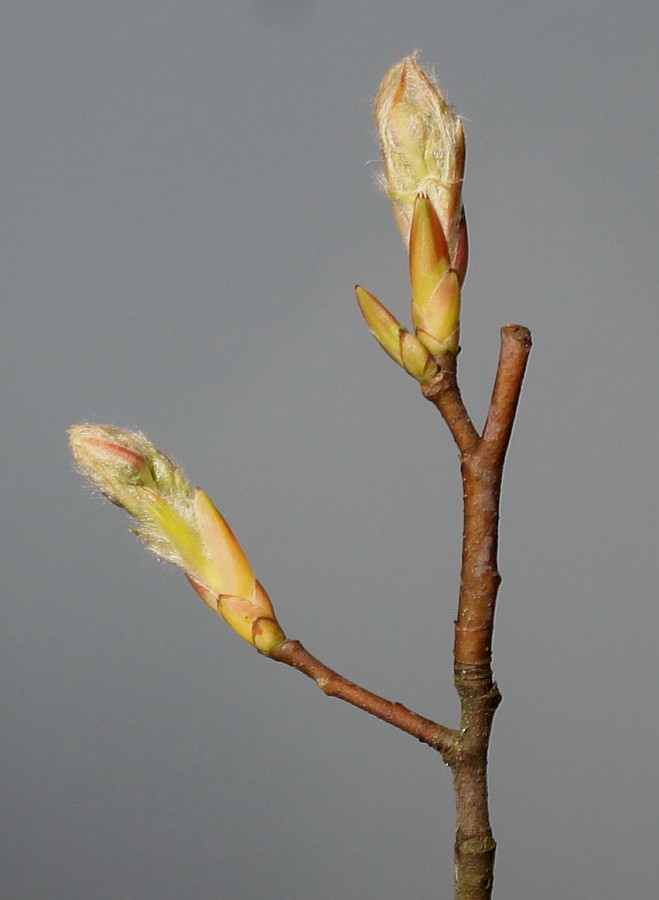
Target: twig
<point>482,460</point>
<point>334,685</point>
<point>464,749</point>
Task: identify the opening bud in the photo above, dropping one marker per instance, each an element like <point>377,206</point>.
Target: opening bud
<point>423,149</point>
<point>178,523</point>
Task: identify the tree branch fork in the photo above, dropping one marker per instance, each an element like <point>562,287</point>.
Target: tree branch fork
<point>464,748</point>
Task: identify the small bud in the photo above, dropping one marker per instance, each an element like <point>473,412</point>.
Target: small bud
<point>438,321</point>
<point>435,287</point>
<point>417,359</point>
<point>403,347</point>
<point>178,523</point>
<point>428,253</point>
<point>423,149</point>
<point>384,327</point>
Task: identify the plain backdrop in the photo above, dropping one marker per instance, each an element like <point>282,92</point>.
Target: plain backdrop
<point>188,198</point>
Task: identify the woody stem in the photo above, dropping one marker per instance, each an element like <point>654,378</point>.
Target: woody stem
<point>482,460</point>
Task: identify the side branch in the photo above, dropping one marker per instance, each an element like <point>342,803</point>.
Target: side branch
<point>482,472</point>
<point>334,685</point>
<point>444,393</point>
<point>513,356</point>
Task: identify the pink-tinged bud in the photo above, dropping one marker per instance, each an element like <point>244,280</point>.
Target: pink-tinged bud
<point>179,524</point>
<point>120,463</point>
<point>423,149</point>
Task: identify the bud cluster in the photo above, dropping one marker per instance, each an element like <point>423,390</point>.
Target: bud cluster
<point>423,150</point>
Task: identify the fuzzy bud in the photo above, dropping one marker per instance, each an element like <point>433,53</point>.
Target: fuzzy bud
<point>423,149</point>
<point>178,523</point>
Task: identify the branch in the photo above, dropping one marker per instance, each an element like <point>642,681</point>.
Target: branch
<point>482,460</point>
<point>513,356</point>
<point>334,685</point>
<point>444,392</point>
<point>482,471</point>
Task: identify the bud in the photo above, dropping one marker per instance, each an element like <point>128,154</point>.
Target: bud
<point>435,301</point>
<point>423,149</point>
<point>435,287</point>
<point>178,523</point>
<point>403,347</point>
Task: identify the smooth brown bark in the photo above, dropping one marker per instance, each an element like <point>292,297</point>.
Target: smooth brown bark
<point>465,749</point>
<point>334,685</point>
<point>482,460</point>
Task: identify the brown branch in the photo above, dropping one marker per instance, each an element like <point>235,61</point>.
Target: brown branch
<point>482,471</point>
<point>513,356</point>
<point>334,685</point>
<point>464,749</point>
<point>482,460</point>
<point>444,392</point>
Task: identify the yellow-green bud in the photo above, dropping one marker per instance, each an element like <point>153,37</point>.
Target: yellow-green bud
<point>403,347</point>
<point>178,523</point>
<point>417,359</point>
<point>435,287</point>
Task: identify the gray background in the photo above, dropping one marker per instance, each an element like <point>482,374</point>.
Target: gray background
<point>187,201</point>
